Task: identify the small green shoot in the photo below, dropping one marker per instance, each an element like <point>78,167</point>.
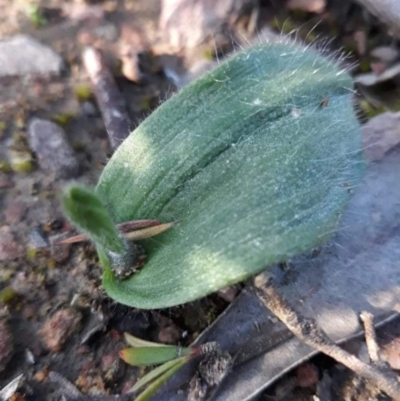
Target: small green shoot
<point>146,353</point>
<point>148,356</point>
<point>157,372</point>
<point>85,209</point>
<point>152,389</point>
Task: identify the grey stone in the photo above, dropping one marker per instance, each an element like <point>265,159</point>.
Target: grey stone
<point>37,239</point>
<point>20,55</point>
<point>54,153</point>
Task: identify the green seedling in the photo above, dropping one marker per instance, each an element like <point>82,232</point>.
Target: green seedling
<point>159,373</point>
<point>256,160</point>
<point>158,382</point>
<point>138,342</point>
<point>83,206</point>
<point>149,356</point>
<point>170,359</point>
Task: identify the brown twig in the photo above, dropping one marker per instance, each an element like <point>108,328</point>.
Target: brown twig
<point>311,334</point>
<point>108,97</point>
<point>125,228</point>
<point>370,337</point>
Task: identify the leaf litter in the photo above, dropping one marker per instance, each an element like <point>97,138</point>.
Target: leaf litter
<point>24,282</point>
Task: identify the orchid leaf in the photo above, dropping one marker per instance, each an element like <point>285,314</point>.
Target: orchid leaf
<point>256,160</point>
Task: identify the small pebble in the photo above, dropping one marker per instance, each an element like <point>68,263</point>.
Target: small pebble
<point>37,239</point>
<point>59,252</point>
<point>22,55</point>
<point>88,109</point>
<point>57,329</point>
<point>228,294</point>
<point>85,12</point>
<point>385,53</point>
<point>306,375</point>
<point>169,335</point>
<point>54,153</point>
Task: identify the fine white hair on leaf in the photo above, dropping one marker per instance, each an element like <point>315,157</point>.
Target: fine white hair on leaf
<point>263,149</point>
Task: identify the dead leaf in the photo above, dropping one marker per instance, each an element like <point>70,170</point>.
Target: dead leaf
<point>357,270</point>
<point>8,391</point>
<point>370,79</point>
<point>386,54</point>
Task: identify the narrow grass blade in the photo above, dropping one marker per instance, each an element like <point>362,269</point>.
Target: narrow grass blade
<point>73,240</point>
<point>138,342</point>
<point>152,389</point>
<point>155,373</point>
<point>136,225</point>
<point>147,356</point>
<point>148,232</point>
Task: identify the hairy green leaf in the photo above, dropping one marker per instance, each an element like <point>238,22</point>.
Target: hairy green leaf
<point>84,208</point>
<point>256,160</point>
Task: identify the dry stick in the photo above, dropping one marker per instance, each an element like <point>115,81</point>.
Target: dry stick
<point>108,97</point>
<point>370,337</point>
<point>308,331</point>
<point>388,11</point>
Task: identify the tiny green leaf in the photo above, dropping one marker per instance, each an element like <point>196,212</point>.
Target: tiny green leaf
<point>85,209</point>
<point>155,373</point>
<point>148,232</point>
<point>138,342</point>
<point>147,356</point>
<point>152,389</point>
<point>256,159</point>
